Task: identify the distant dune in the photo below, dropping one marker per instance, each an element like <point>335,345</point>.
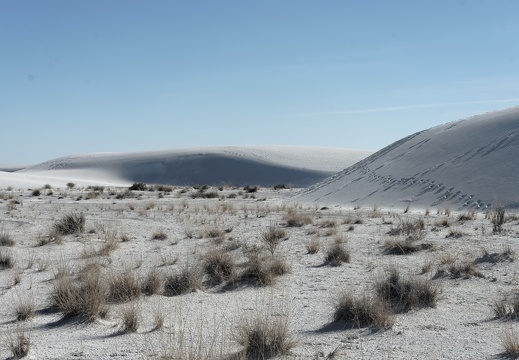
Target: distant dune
<point>466,163</point>
<point>233,165</point>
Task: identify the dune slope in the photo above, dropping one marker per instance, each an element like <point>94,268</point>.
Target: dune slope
<point>466,163</point>
<point>233,165</point>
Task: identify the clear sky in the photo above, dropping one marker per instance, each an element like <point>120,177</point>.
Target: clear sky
<point>123,75</point>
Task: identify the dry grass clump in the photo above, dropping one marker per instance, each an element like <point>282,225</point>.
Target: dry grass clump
<point>506,307</point>
<point>84,299</point>
<point>295,219</point>
<point>272,237</point>
<point>24,309</point>
<point>70,224</point>
<point>6,259</point>
<point>459,269</point>
<point>361,311</point>
<point>507,255</point>
<point>159,235</point>
<point>328,223</point>
<point>189,279</point>
<point>412,229</point>
<point>262,271</point>
<point>131,316</point>
<point>20,344</point>
<point>152,282</point>
<point>216,234</point>
<point>497,218</point>
<point>469,215</point>
<point>403,246</point>
<point>123,286</point>
<point>402,295</point>
<point>6,239</point>
<point>313,246</point>
<point>219,266</point>
<point>336,255</point>
<point>510,343</point>
<point>264,337</point>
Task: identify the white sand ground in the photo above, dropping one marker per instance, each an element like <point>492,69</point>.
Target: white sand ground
<point>462,326</point>
<point>465,163</point>
<point>237,165</point>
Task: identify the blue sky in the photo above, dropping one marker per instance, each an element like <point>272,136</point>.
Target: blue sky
<point>89,76</point>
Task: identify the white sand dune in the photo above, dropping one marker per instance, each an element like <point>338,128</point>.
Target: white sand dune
<point>235,165</point>
<point>467,163</point>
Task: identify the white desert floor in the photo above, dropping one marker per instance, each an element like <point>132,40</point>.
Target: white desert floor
<point>205,322</point>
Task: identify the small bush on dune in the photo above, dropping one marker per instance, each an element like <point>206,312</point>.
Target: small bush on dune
<point>510,343</point>
<point>262,271</point>
<point>219,266</point>
<point>189,279</point>
<point>130,315</point>
<point>402,295</point>
<point>152,282</point>
<point>313,246</point>
<point>123,286</point>
<point>498,219</point>
<point>506,308</point>
<point>138,187</point>
<point>295,219</point>
<point>20,344</point>
<point>272,237</point>
<point>6,260</point>
<point>6,239</point>
<point>361,312</point>
<point>403,246</point>
<point>265,337</point>
<point>336,255</point>
<point>70,224</point>
<point>84,299</point>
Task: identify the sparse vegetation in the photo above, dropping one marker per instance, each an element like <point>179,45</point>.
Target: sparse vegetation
<point>6,259</point>
<point>336,255</point>
<point>498,219</point>
<point>271,238</point>
<point>189,279</point>
<point>139,186</point>
<point>70,224</point>
<point>361,311</point>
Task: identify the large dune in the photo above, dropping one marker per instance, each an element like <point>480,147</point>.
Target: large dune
<point>233,165</point>
<point>466,163</point>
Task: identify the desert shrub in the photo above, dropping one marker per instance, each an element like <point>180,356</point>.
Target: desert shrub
<point>123,286</point>
<point>205,195</point>
<point>402,295</point>
<point>36,192</point>
<point>313,246</point>
<point>20,344</point>
<point>124,195</point>
<point>328,223</point>
<point>272,237</point>
<point>219,266</point>
<point>139,186</point>
<point>506,307</point>
<point>164,188</point>
<point>403,246</point>
<point>70,224</point>
<point>278,266</point>
<point>159,235</point>
<point>281,187</point>
<point>130,315</point>
<point>361,311</point>
<point>295,219</point>
<point>459,269</point>
<point>84,299</point>
<point>250,189</point>
<point>152,282</point>
<point>71,185</point>
<point>188,280</point>
<point>498,219</point>
<point>510,343</point>
<point>264,337</point>
<point>215,233</point>
<point>6,259</point>
<point>469,215</point>
<point>412,229</point>
<point>336,255</point>
<point>262,271</point>
<point>24,309</point>
<point>6,239</point>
